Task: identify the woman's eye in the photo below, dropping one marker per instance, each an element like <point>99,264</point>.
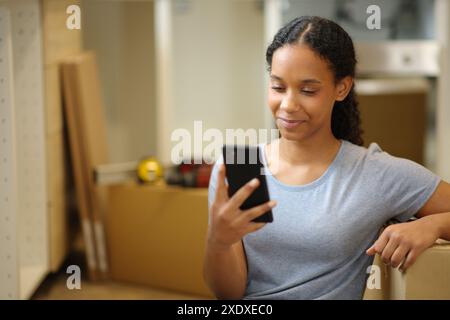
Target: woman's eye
<point>308,92</point>
<point>278,89</point>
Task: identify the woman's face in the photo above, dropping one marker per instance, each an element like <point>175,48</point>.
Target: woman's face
<point>302,92</point>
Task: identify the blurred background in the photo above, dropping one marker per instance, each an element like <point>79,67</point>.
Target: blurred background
<point>91,92</point>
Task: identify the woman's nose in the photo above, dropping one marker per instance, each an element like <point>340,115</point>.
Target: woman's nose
<point>289,104</point>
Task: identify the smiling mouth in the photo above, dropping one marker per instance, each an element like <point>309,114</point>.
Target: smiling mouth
<point>289,124</point>
<point>288,120</point>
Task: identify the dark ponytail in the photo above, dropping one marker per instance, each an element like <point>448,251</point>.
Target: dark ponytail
<point>332,43</point>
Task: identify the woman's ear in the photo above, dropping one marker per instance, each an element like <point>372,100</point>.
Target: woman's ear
<point>343,88</point>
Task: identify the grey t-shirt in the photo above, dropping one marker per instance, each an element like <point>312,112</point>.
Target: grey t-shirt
<point>315,247</point>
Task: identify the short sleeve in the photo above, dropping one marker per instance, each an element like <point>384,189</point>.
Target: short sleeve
<point>405,185</point>
<point>213,182</point>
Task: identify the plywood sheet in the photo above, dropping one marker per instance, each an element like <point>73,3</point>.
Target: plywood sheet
<point>71,102</point>
<point>90,125</point>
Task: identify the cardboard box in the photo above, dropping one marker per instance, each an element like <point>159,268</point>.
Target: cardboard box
<point>397,122</point>
<point>156,236</point>
<point>427,278</point>
<point>378,284</point>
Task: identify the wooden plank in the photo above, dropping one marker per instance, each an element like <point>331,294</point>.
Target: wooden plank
<point>57,180</point>
<point>91,130</point>
<point>53,101</point>
<point>71,103</point>
<point>58,41</point>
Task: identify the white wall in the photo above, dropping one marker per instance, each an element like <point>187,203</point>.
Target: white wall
<point>443,91</point>
<point>121,33</point>
<point>215,58</point>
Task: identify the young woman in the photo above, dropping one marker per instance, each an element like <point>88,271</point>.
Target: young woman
<point>331,196</point>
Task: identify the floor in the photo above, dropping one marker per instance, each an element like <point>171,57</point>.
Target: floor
<point>54,287</point>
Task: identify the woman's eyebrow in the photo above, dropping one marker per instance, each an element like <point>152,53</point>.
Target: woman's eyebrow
<point>274,77</point>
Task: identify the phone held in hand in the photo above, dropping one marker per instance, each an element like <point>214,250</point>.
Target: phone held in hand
<point>242,164</point>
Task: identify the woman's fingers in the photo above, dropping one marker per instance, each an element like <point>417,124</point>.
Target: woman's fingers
<point>254,226</point>
<point>379,245</point>
<point>250,214</point>
<point>243,193</point>
<point>371,251</point>
<point>409,261</point>
<point>400,244</point>
<point>399,256</point>
<point>388,250</point>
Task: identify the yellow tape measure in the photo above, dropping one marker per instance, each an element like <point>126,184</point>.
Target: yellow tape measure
<point>149,170</point>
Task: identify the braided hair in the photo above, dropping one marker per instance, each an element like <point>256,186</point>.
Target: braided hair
<point>333,44</point>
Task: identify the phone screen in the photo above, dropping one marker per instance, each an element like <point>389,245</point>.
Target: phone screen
<point>243,163</point>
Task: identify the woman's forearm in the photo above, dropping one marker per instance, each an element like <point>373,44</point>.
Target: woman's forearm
<point>442,222</point>
<point>224,272</point>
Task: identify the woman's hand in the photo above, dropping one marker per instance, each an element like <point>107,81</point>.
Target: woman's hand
<point>229,224</point>
<point>401,244</point>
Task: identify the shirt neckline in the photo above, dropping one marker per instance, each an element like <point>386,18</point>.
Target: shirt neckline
<point>309,185</point>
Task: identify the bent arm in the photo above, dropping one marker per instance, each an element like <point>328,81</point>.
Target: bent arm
<point>437,210</point>
<point>225,271</point>
<point>401,244</point>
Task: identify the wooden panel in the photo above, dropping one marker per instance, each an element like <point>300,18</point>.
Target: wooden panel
<point>92,129</point>
<point>71,106</point>
<point>59,41</point>
<point>57,201</point>
<point>90,109</point>
<point>87,132</point>
<point>53,103</point>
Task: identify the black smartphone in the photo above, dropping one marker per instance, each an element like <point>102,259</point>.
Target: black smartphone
<point>242,164</point>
